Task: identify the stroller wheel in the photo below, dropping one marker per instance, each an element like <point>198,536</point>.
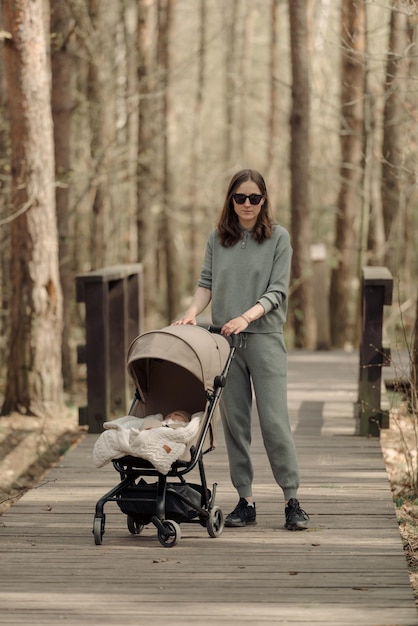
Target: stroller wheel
<point>135,528</point>
<point>171,534</point>
<point>98,529</point>
<point>215,522</point>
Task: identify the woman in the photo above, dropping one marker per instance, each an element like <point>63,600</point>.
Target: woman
<point>245,275</point>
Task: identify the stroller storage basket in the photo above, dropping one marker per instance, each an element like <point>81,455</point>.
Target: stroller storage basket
<point>182,501</point>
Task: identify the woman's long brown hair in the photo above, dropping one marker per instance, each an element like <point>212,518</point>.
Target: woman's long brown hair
<point>228,226</point>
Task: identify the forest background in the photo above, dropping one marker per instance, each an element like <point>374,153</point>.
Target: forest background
<point>122,122</point>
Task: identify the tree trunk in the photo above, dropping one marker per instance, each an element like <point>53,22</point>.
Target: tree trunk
<point>62,103</point>
<point>230,31</point>
<point>301,301</point>
<point>392,148</point>
<point>167,214</point>
<point>148,169</point>
<point>373,240</point>
<point>4,209</point>
<point>130,10</point>
<point>246,56</point>
<point>273,119</point>
<point>414,363</point>
<point>349,199</point>
<point>196,154</point>
<point>99,191</point>
<point>34,381</point>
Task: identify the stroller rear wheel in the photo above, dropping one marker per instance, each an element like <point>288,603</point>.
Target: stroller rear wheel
<point>170,535</point>
<point>215,522</point>
<point>134,527</point>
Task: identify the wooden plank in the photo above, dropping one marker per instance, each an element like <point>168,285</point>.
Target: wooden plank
<point>348,568</point>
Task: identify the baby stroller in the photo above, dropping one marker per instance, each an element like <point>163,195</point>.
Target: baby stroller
<point>176,367</point>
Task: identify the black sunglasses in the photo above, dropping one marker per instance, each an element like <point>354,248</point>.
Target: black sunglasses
<point>254,198</point>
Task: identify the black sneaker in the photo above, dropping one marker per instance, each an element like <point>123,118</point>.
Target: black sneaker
<point>243,514</point>
<point>296,518</point>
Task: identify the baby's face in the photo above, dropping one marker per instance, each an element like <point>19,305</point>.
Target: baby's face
<point>177,417</point>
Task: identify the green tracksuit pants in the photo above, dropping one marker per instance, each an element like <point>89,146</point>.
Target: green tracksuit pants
<point>261,360</point>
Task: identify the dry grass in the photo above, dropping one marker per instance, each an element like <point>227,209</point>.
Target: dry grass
<point>400,448</point>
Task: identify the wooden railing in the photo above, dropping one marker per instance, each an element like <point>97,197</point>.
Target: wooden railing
<point>113,301</point>
<point>376,292</point>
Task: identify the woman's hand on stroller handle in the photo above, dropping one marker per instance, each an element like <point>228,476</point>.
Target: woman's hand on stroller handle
<point>235,337</point>
<point>235,326</point>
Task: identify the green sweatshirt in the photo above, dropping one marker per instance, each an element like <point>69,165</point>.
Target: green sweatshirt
<point>247,273</point>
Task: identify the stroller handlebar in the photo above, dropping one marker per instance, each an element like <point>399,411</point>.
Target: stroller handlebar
<point>235,339</point>
<point>214,329</point>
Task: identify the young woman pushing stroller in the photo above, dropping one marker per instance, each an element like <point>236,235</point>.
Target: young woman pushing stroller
<point>245,277</point>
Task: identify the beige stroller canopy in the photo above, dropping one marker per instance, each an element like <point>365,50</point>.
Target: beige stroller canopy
<point>174,368</point>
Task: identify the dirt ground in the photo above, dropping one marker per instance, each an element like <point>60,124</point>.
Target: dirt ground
<point>30,446</point>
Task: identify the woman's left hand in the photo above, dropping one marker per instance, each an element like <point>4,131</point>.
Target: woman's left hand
<point>234,326</point>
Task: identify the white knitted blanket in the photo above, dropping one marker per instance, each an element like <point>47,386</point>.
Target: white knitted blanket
<point>161,446</point>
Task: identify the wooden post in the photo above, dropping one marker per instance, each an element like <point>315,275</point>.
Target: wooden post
<point>377,284</point>
<point>320,283</point>
<point>113,301</point>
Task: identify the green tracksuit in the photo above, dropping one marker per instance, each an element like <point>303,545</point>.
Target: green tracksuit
<point>238,277</point>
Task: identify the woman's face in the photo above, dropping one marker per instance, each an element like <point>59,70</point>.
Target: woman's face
<point>247,213</point>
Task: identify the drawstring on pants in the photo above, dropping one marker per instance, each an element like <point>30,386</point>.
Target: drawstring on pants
<point>243,340</point>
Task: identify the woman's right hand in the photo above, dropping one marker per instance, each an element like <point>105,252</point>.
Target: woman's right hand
<point>186,319</point>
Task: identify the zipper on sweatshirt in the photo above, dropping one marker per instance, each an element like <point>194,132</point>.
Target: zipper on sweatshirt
<point>244,239</point>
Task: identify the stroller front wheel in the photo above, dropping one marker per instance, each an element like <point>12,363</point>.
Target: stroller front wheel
<point>98,529</point>
<point>215,522</point>
<point>170,535</point>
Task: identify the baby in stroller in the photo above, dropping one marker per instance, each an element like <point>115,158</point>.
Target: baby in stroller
<point>155,438</point>
<point>174,419</point>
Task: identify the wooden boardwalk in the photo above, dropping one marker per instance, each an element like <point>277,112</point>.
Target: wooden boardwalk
<point>347,569</point>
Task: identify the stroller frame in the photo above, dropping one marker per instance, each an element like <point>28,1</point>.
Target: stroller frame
<point>133,469</point>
